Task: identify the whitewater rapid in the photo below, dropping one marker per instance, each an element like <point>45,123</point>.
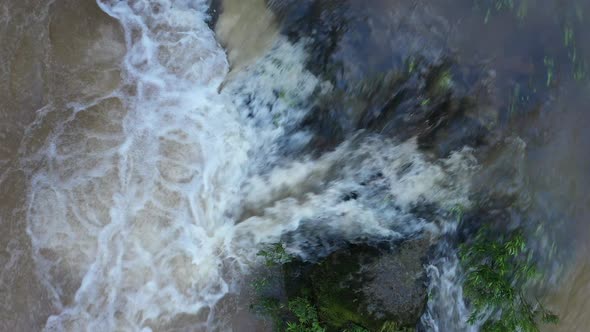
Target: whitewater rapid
<point>147,205</point>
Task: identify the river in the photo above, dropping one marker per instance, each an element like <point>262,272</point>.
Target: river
<point>147,153</point>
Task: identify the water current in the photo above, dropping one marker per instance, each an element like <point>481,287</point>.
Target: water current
<point>146,158</point>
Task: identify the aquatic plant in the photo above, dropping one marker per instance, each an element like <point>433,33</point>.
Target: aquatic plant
<point>499,268</point>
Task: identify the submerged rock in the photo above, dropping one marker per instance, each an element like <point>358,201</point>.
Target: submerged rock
<point>392,73</point>
<point>350,40</point>
<point>365,286</point>
<point>430,102</point>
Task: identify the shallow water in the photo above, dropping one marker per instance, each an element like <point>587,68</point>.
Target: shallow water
<point>146,158</point>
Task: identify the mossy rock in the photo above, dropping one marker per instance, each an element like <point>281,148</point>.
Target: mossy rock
<point>365,286</point>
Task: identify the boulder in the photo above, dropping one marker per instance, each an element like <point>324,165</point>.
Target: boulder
<point>366,286</point>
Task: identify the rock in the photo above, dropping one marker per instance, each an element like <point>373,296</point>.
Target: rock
<point>392,73</point>
<point>366,286</point>
<point>350,40</point>
<point>502,182</point>
<point>424,103</point>
<point>213,12</point>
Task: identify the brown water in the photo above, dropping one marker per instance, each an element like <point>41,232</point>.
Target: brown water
<point>56,52</point>
<point>50,51</point>
<point>563,167</point>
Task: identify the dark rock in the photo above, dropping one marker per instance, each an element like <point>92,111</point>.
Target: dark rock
<point>365,286</point>
<point>430,103</point>
<point>213,12</point>
<point>349,40</point>
<point>502,182</point>
<point>392,72</point>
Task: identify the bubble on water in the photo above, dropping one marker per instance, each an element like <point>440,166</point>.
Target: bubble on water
<point>150,203</point>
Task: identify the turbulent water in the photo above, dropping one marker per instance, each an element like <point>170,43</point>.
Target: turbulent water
<point>140,175</point>
<point>148,200</point>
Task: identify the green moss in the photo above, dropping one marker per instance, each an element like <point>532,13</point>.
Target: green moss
<point>355,328</point>
<point>322,298</point>
<point>393,327</point>
<point>445,81</point>
<point>338,306</point>
<point>439,82</point>
<point>336,312</point>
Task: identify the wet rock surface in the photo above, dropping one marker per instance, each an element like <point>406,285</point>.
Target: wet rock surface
<point>349,40</point>
<point>392,74</point>
<point>430,103</point>
<point>365,286</point>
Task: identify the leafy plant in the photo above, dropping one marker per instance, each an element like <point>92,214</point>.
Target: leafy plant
<point>265,303</point>
<point>307,317</point>
<point>269,307</point>
<point>299,314</point>
<point>498,269</point>
<point>275,255</point>
<point>305,314</point>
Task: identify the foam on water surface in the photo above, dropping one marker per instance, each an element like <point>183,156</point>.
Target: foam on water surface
<point>150,203</point>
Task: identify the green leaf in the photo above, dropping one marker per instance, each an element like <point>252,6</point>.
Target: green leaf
<point>498,268</point>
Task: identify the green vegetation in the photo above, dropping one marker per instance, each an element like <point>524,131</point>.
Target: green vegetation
<point>335,303</point>
<point>271,308</point>
<point>275,255</point>
<point>393,327</point>
<point>439,81</point>
<point>301,313</point>
<point>298,314</point>
<point>306,315</point>
<point>498,268</point>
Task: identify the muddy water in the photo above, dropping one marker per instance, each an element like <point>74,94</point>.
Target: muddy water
<point>49,53</point>
<point>246,29</point>
<point>565,174</point>
<point>556,158</point>
<point>81,113</point>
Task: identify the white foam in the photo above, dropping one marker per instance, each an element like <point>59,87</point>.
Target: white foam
<point>388,179</point>
<point>446,308</point>
<point>150,203</point>
<point>129,216</point>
